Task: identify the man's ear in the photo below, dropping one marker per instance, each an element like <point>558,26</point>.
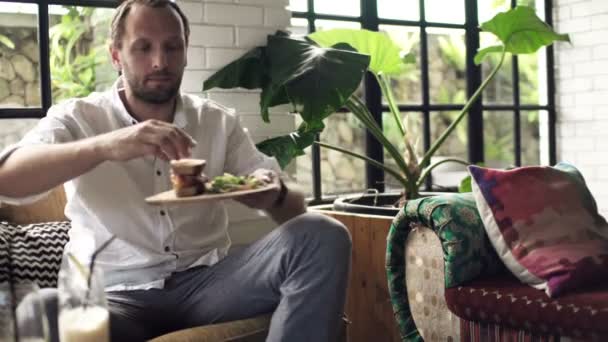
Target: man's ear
<point>115,56</point>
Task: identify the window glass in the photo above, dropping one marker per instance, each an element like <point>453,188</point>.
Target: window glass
<point>500,89</point>
<point>533,78</point>
<point>488,9</point>
<point>12,130</point>
<point>343,7</point>
<point>79,57</point>
<point>447,66</point>
<point>449,174</point>
<point>406,87</point>
<point>298,26</point>
<point>19,56</point>
<point>534,140</point>
<point>298,5</point>
<point>341,173</point>
<point>399,9</point>
<point>324,25</point>
<point>441,11</point>
<point>498,139</point>
<point>413,122</point>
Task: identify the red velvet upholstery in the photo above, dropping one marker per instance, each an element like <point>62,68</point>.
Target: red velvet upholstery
<point>505,301</point>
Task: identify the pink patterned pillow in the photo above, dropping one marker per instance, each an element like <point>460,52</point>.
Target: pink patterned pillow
<point>544,225</point>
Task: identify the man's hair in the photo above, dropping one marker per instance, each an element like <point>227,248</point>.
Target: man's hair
<point>117,29</point>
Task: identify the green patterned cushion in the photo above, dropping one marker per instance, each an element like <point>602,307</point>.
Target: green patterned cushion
<point>467,250</point>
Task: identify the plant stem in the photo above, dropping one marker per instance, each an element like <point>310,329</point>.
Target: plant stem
<point>428,170</point>
<point>390,170</point>
<point>464,111</point>
<point>383,81</point>
<point>358,108</point>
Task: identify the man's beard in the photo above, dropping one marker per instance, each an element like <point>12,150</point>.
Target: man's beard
<point>154,96</point>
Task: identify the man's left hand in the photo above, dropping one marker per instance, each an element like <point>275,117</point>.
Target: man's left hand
<point>265,199</point>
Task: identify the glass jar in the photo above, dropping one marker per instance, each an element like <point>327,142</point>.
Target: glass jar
<point>83,309</point>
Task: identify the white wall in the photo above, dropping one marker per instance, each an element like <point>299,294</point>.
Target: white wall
<point>222,30</point>
<point>582,91</point>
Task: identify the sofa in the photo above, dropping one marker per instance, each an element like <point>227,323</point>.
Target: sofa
<point>447,283</point>
<point>38,233</point>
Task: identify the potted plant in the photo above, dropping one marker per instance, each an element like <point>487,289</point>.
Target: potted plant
<point>319,73</point>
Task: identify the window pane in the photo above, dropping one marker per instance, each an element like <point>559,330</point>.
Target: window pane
<point>533,78</point>
<point>298,26</point>
<point>85,67</point>
<point>19,56</point>
<point>534,140</point>
<point>399,9</point>
<point>12,130</point>
<point>449,174</point>
<point>447,63</point>
<point>391,131</point>
<point>324,25</point>
<point>344,7</point>
<point>341,173</point>
<point>441,11</point>
<point>498,139</point>
<point>298,5</point>
<point>488,9</point>
<point>538,5</point>
<point>406,87</point>
<point>500,89</point>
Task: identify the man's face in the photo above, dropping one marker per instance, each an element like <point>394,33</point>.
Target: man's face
<point>152,55</point>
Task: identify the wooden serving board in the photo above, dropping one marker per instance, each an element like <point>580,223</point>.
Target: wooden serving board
<point>168,197</point>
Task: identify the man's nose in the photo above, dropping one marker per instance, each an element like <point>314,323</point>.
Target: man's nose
<point>159,59</point>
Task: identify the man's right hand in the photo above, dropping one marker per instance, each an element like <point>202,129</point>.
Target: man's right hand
<point>151,137</point>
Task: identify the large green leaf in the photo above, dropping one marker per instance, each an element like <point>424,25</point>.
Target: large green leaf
<point>316,80</point>
<point>521,31</point>
<point>285,148</point>
<point>386,56</point>
<point>246,72</point>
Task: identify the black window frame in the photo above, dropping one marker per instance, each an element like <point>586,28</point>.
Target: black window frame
<point>475,142</point>
<point>46,95</point>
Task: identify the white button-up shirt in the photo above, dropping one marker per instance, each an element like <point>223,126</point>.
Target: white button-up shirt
<point>152,241</point>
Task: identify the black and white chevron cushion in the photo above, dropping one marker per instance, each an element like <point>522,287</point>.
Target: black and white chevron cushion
<point>35,251</point>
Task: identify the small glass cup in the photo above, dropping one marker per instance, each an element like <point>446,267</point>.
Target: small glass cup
<point>83,310</point>
<point>29,317</point>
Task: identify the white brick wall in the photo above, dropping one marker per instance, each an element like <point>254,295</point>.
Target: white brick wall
<point>221,31</point>
<point>582,91</point>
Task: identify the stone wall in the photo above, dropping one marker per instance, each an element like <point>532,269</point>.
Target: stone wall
<point>19,80</point>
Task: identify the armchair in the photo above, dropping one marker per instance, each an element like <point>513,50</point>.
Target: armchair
<point>35,219</point>
<point>447,283</point>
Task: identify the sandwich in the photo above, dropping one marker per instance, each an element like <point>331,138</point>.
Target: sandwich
<point>187,177</point>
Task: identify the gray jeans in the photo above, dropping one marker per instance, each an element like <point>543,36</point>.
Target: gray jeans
<point>299,272</point>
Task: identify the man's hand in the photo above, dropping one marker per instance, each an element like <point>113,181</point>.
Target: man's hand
<point>265,199</point>
<point>151,137</point>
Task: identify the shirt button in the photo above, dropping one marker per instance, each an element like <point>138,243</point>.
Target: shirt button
<point>158,172</point>
<point>167,249</point>
<point>162,213</point>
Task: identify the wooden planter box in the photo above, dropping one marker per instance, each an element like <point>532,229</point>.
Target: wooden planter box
<point>368,305</point>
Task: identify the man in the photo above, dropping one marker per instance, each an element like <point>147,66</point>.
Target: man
<point>168,269</point>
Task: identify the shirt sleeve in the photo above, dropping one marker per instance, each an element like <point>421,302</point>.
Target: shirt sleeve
<point>52,129</point>
<point>242,157</point>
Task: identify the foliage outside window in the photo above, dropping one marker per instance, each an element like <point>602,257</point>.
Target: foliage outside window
<point>446,62</point>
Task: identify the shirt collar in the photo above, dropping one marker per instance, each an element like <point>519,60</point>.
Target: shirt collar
<point>179,119</point>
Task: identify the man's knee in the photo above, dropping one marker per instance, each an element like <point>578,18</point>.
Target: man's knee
<point>326,230</point>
